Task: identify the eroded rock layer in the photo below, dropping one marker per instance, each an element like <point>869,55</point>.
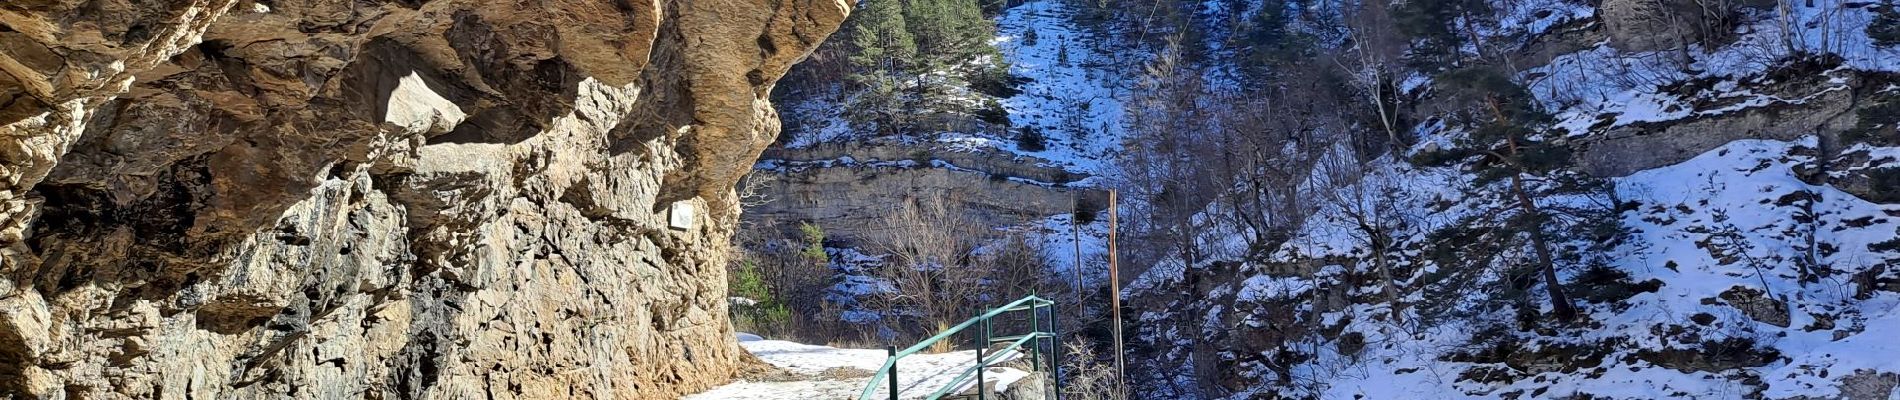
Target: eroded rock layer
<point>850,189</point>
<point>378,199</point>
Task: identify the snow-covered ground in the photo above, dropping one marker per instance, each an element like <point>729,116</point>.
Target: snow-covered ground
<point>1830,335</point>
<point>1072,93</point>
<point>1736,216</point>
<point>1602,82</point>
<point>820,372</point>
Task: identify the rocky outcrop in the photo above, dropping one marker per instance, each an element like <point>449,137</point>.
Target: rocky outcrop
<point>1757,305</point>
<point>892,151</point>
<point>1645,25</point>
<point>379,199</point>
<point>1813,106</point>
<point>854,187</point>
<point>1674,25</point>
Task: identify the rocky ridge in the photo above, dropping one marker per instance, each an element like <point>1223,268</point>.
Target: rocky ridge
<point>850,187</point>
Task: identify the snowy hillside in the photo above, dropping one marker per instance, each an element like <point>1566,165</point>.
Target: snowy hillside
<point>1688,321</point>
<point>1066,86</point>
<point>1716,253</point>
<point>1623,199</point>
<point>1072,87</point>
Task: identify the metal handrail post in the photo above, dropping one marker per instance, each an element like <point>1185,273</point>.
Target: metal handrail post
<point>988,331</point>
<point>979,369</point>
<point>985,328</point>
<point>892,351</point>
<point>1055,345</point>
<point>1035,348</point>
<point>991,357</point>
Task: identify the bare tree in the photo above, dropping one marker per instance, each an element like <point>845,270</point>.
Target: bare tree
<point>929,271</point>
<point>1165,166</point>
<point>1086,377</point>
<point>1366,201</point>
<point>944,266</point>
<point>1374,63</point>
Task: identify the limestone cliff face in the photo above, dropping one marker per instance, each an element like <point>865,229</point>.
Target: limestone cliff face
<point>850,187</point>
<point>378,199</point>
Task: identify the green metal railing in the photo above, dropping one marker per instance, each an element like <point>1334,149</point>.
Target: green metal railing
<point>1036,306</point>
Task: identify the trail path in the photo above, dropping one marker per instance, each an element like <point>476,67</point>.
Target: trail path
<point>824,373</point>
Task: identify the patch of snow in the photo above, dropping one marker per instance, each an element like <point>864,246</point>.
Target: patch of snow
<point>1269,288</point>
<point>1075,104</point>
<point>820,366</point>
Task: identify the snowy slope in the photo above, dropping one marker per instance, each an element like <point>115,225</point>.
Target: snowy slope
<point>1734,219</point>
<point>1600,82</point>
<point>1736,274</point>
<point>1071,90</point>
<point>1073,87</point>
<point>1681,208</point>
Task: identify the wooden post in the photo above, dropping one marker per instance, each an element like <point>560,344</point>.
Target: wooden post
<point>1075,237</point>
<point>1115,291</point>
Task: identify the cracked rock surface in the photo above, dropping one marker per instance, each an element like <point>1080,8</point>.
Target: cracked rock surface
<point>378,199</point>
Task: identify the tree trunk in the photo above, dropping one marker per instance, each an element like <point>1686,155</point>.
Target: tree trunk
<point>1559,303</point>
<point>1379,244</point>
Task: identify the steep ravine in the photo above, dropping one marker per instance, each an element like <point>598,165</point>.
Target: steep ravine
<point>379,199</point>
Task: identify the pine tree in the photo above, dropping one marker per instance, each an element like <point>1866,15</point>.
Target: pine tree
<point>948,32</point>
<point>885,48</point>
<point>1506,121</point>
<point>1271,43</point>
<point>1440,29</point>
<point>913,58</point>
<point>950,35</point>
<point>814,250</point>
<point>1885,28</point>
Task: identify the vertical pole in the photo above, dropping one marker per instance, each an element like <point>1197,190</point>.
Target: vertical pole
<point>1115,291</point>
<point>1055,356</point>
<point>1055,343</point>
<point>981,392</point>
<point>1035,345</point>
<point>1075,238</point>
<point>979,374</point>
<point>892,351</point>
<point>987,332</point>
